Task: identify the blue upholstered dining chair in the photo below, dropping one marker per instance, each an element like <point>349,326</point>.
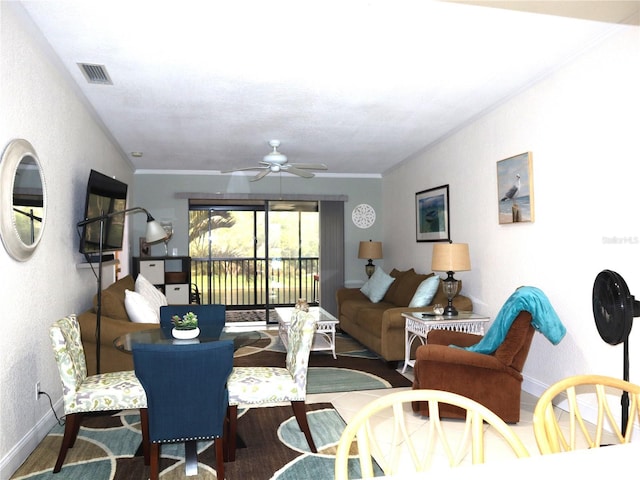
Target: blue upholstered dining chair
<point>186,387</point>
<point>83,394</point>
<point>211,317</point>
<point>255,386</point>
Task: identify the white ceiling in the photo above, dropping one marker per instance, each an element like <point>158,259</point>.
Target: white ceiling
<point>358,85</point>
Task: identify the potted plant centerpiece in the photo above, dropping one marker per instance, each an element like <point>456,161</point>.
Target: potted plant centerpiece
<point>185,327</point>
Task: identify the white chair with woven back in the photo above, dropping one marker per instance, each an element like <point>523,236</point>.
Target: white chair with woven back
<point>558,421</point>
<point>84,394</point>
<point>264,386</point>
<point>386,438</point>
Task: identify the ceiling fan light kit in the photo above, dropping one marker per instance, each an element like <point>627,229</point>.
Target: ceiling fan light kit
<point>276,162</point>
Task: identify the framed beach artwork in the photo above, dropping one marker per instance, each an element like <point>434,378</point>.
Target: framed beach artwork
<point>432,215</point>
<point>515,189</point>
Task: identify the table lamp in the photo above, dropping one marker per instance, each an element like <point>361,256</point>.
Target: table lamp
<point>370,250</point>
<point>450,258</point>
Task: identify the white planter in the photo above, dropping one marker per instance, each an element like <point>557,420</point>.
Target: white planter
<point>185,334</point>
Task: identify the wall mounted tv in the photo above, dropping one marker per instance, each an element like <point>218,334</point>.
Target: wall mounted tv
<point>105,195</point>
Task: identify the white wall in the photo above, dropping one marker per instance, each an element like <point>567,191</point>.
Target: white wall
<point>156,191</point>
<point>582,125</point>
<point>37,104</point>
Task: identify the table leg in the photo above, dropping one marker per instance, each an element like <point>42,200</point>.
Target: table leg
<point>407,350</point>
<point>333,342</point>
<point>191,458</point>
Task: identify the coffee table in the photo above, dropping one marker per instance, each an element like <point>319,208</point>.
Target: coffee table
<point>325,337</point>
<point>418,324</point>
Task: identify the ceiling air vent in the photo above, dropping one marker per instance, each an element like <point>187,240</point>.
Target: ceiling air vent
<point>95,73</point>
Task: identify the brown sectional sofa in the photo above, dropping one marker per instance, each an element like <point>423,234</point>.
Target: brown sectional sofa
<point>380,326</point>
<point>114,322</point>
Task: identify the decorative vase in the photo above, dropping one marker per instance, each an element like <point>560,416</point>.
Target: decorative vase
<point>302,305</point>
<point>185,334</point>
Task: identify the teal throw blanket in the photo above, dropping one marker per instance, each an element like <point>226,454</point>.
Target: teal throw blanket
<point>544,319</point>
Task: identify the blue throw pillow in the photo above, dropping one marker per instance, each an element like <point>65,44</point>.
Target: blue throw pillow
<point>425,292</point>
<point>377,285</point>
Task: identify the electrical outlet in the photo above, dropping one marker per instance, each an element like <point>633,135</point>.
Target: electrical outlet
<point>37,390</point>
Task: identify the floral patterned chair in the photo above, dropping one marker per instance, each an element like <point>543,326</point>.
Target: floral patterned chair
<point>84,394</point>
<point>254,386</point>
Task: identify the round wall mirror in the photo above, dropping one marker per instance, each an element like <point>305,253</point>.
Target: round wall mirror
<point>23,199</point>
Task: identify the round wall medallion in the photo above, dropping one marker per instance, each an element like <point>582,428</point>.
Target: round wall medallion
<point>363,216</point>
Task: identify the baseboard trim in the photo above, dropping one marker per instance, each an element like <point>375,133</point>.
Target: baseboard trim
<point>21,451</point>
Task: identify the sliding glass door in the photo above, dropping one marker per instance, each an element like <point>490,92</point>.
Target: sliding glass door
<point>254,254</point>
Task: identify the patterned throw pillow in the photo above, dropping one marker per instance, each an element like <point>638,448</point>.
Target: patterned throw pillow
<point>425,292</point>
<point>151,294</point>
<point>377,285</point>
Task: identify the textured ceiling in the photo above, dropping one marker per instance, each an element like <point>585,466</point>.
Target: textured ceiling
<point>357,85</point>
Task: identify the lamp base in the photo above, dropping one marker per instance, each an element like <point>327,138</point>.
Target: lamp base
<point>369,268</point>
<point>450,310</point>
<point>450,288</point>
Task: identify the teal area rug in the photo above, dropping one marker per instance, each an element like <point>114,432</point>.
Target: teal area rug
<point>108,448</point>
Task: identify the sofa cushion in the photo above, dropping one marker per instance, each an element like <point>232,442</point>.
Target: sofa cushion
<point>350,308</point>
<point>425,292</point>
<point>113,298</point>
<point>408,284</point>
<point>370,319</point>
<point>395,273</point>
<point>139,309</point>
<point>377,285</point>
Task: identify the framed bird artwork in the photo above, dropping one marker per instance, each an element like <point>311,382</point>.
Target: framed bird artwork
<point>515,189</point>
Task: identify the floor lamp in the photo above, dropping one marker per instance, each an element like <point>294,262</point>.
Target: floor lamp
<point>155,233</point>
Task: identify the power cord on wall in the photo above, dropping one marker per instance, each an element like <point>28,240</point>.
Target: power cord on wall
<point>60,422</point>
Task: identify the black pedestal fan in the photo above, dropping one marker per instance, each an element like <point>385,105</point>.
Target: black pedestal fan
<point>613,309</point>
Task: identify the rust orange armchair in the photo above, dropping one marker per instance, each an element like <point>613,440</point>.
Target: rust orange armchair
<point>488,369</point>
<point>494,380</point>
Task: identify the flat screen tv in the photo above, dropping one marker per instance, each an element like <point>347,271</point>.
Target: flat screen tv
<point>105,195</point>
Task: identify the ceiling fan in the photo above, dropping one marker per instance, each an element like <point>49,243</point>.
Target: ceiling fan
<point>276,162</point>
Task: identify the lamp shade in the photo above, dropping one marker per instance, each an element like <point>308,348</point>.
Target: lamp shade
<point>155,232</point>
<point>370,250</point>
<point>450,257</point>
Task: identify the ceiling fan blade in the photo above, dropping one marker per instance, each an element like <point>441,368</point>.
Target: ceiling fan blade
<point>242,169</point>
<point>310,166</point>
<point>262,174</point>
<point>297,171</point>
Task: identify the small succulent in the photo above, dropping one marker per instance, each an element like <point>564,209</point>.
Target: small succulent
<point>189,321</point>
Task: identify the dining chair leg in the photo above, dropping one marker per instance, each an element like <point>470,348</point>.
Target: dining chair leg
<point>300,411</point>
<point>154,473</point>
<point>71,429</point>
<point>220,446</point>
<point>232,416</point>
<point>144,426</point>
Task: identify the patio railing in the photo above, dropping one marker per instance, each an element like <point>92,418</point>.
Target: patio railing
<point>251,283</point>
